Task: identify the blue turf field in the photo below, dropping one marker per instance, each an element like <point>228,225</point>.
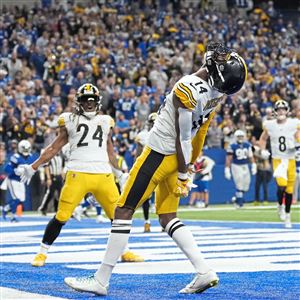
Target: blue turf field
<point>253,260</point>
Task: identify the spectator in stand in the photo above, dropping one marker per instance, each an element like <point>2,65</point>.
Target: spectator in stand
<point>127,105</point>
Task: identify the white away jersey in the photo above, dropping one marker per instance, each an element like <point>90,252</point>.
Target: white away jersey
<point>282,137</point>
<point>88,142</point>
<point>197,96</point>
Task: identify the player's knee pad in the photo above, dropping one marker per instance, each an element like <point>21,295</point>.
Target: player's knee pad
<point>63,216</point>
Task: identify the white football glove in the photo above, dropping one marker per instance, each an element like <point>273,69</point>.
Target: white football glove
<point>253,168</point>
<point>26,172</point>
<point>265,154</point>
<point>122,180</point>
<point>227,173</point>
<point>19,170</point>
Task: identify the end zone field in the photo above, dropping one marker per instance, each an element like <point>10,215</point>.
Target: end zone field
<point>257,259</point>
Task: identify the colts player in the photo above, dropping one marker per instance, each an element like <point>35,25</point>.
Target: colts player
<point>284,136</point>
<point>175,141</point>
<point>88,168</point>
<point>239,155</point>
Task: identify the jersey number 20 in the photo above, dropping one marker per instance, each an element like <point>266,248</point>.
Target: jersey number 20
<point>96,136</point>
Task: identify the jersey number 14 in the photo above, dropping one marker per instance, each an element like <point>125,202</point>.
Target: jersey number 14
<point>96,136</point>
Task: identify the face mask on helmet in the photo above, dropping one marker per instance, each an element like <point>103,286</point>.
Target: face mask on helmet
<point>227,71</point>
<point>239,136</point>
<point>88,98</point>
<point>24,148</point>
<point>281,109</point>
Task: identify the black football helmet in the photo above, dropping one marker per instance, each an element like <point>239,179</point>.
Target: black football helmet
<point>227,71</point>
<point>87,92</point>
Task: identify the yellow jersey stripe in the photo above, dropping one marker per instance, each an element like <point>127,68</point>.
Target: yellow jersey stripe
<point>189,99</point>
<point>186,93</point>
<point>189,92</point>
<point>185,100</point>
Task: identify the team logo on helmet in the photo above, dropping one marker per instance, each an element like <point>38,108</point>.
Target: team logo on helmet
<point>227,71</point>
<point>281,104</point>
<point>87,92</point>
<point>24,147</point>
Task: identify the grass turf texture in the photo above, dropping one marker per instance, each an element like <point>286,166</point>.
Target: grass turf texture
<point>226,213</point>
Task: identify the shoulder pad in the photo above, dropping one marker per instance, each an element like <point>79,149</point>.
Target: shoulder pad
<point>63,119</point>
<point>15,158</point>
<point>111,122</point>
<point>184,92</point>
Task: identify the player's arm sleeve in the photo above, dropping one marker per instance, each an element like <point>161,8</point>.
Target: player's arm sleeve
<point>185,132</point>
<point>11,165</point>
<point>185,94</point>
<point>264,137</point>
<point>250,152</point>
<point>199,138</point>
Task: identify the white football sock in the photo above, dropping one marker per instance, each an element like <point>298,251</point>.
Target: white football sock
<point>116,244</point>
<point>186,242</point>
<point>44,249</point>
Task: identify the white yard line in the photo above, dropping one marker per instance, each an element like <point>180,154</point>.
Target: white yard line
<point>7,293</point>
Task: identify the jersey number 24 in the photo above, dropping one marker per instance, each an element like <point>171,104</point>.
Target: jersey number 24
<point>96,136</point>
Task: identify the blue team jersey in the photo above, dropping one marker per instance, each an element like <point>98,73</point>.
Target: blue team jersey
<point>16,160</point>
<point>127,107</point>
<point>241,152</point>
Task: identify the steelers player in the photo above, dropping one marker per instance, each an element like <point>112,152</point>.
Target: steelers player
<point>284,136</point>
<point>88,167</point>
<point>141,140</point>
<point>175,141</point>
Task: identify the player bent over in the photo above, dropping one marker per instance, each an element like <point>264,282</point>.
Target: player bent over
<point>88,167</point>
<point>175,141</point>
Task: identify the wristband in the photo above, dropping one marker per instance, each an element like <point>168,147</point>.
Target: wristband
<point>182,176</point>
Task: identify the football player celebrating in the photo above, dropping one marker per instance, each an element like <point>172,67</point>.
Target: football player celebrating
<point>88,167</point>
<point>284,136</point>
<point>239,155</point>
<point>174,143</point>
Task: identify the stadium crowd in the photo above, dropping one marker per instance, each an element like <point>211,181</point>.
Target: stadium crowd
<point>134,53</point>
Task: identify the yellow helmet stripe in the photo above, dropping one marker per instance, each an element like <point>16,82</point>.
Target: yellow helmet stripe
<point>245,66</point>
